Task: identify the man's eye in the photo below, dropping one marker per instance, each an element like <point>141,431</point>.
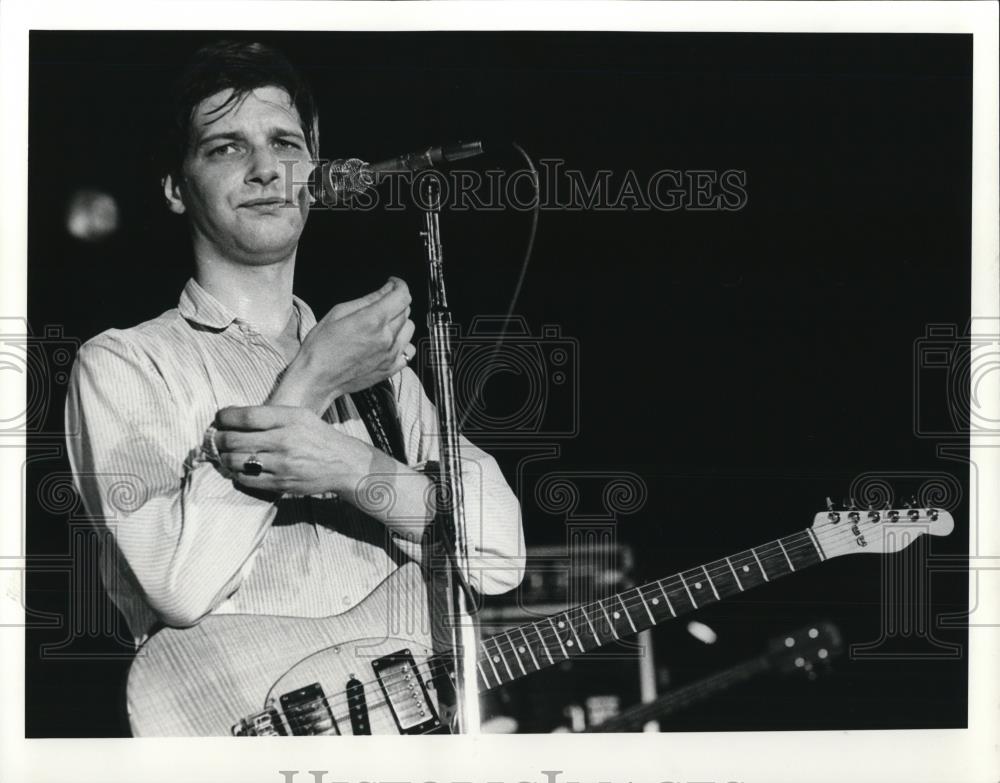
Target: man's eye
<point>224,149</point>
<point>289,144</point>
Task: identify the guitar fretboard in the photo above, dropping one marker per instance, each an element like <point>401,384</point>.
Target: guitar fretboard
<point>528,648</point>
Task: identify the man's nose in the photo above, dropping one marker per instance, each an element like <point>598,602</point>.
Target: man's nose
<point>264,167</point>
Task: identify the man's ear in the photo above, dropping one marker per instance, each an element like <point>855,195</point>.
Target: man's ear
<point>172,193</point>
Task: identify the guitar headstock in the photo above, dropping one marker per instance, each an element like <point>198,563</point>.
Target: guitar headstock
<point>805,649</point>
<point>852,530</point>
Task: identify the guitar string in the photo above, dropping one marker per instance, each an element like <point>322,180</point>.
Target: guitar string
<point>784,545</point>
<point>764,551</point>
<point>547,635</point>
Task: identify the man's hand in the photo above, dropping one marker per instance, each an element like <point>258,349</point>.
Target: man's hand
<point>356,345</point>
<point>298,452</point>
<point>301,454</point>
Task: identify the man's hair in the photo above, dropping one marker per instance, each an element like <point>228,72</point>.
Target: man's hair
<point>242,67</point>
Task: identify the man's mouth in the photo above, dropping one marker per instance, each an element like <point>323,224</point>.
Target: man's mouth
<point>264,202</point>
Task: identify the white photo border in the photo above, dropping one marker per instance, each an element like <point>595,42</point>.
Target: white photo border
<point>753,757</point>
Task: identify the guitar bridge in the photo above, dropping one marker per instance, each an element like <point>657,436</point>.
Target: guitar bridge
<point>406,694</point>
<point>263,724</point>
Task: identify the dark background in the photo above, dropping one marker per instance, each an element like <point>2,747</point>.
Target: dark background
<point>744,364</point>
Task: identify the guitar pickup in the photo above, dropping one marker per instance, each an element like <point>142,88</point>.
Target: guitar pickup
<point>405,693</point>
<point>308,712</point>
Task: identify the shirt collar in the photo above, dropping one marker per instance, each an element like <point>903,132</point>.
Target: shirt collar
<point>199,306</point>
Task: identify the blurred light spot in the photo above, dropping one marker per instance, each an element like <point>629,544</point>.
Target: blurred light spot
<point>500,724</point>
<point>701,632</point>
<point>92,215</point>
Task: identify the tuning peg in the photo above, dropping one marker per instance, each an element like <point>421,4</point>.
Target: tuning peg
<point>853,505</point>
<point>829,504</point>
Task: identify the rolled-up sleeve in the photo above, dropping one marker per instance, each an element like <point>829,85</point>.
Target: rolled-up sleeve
<point>185,531</point>
<point>492,511</point>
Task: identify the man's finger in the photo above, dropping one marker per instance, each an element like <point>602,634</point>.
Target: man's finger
<point>404,336</point>
<point>393,303</point>
<point>257,417</point>
<point>346,308</point>
<point>243,441</point>
<point>235,462</point>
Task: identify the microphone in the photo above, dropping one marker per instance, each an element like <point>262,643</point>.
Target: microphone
<point>338,180</point>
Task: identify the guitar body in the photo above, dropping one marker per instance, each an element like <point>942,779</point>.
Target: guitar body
<point>203,680</point>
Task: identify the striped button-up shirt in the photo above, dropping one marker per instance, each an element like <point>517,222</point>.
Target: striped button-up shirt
<point>182,538</point>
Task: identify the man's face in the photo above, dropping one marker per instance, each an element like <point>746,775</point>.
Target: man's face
<point>236,178</point>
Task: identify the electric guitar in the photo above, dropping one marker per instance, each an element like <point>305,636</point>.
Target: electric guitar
<point>374,670</point>
<point>804,651</point>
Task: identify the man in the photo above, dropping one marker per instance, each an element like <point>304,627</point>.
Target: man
<point>218,443</point>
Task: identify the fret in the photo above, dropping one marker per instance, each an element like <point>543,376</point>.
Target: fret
<point>802,551</point>
<point>503,657</point>
<point>659,583</point>
<point>785,553</point>
<point>815,543</point>
<point>593,631</point>
<point>516,654</point>
<point>710,583</point>
<point>572,628</point>
<point>646,606</point>
<point>611,625</point>
<point>773,558</point>
<point>542,640</point>
<point>736,576</point>
<point>627,615</point>
<point>563,630</point>
<point>688,591</point>
<point>760,566</point>
<point>653,599</point>
<point>561,645</point>
<point>493,659</point>
<point>747,568</point>
<point>527,646</point>
<point>723,578</point>
<point>699,585</point>
<point>482,673</point>
<point>681,601</point>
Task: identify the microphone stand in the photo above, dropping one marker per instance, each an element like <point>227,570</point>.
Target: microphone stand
<point>462,628</point>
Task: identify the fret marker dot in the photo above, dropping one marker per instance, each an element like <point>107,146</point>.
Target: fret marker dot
<point>496,659</point>
<point>789,642</point>
<point>569,643</point>
<point>656,601</point>
<point>561,624</point>
<point>800,662</point>
<point>813,633</point>
<point>616,615</point>
<point>520,649</point>
<point>697,585</point>
<point>746,569</point>
<point>823,653</point>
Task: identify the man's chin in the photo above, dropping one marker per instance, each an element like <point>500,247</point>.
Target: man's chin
<point>267,248</point>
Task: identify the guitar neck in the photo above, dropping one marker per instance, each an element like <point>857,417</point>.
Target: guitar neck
<point>528,648</point>
<point>685,696</point>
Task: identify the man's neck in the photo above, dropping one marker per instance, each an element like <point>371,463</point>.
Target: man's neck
<point>261,295</point>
